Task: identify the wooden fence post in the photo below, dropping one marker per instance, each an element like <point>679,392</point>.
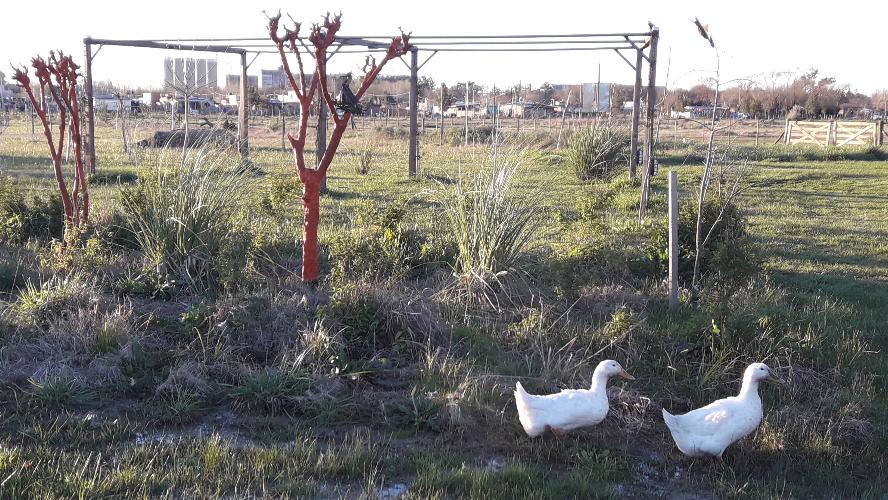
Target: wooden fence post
<point>243,112</point>
<point>89,138</point>
<point>283,129</point>
<point>673,240</point>
<point>413,149</point>
<point>636,110</point>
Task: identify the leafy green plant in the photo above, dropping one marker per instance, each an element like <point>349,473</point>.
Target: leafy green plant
<point>20,221</point>
<point>730,257</point>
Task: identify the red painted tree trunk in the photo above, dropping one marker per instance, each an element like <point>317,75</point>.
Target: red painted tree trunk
<point>311,206</point>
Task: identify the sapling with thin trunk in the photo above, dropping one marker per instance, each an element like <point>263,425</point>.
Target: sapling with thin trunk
<point>320,38</point>
<point>57,79</point>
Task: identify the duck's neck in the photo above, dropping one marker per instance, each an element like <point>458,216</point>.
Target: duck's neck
<point>749,389</point>
<point>599,382</point>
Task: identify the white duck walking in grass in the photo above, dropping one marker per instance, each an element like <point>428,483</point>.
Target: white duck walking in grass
<point>570,408</point>
<point>714,427</point>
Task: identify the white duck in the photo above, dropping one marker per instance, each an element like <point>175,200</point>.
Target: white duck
<point>570,408</point>
<point>714,427</point>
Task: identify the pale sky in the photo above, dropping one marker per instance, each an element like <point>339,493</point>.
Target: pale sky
<point>753,37</point>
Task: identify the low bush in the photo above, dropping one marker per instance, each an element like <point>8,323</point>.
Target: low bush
<point>477,135</point>
<point>381,246</point>
<point>20,221</point>
<point>106,177</point>
<point>56,297</point>
<point>378,320</point>
<point>728,259</point>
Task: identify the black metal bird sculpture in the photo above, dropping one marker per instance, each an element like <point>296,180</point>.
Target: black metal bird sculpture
<point>704,31</point>
<point>346,100</point>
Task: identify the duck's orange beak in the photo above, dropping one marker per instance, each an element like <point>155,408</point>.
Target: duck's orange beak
<point>625,375</point>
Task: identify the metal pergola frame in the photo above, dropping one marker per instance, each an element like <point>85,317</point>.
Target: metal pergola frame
<point>432,44</point>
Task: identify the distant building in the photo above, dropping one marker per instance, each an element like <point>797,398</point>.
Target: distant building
<point>526,109</point>
<point>597,97</point>
<point>274,79</point>
<point>232,82</point>
<point>458,109</point>
<point>189,73</point>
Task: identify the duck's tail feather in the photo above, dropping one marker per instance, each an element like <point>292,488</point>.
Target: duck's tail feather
<point>671,421</point>
<point>524,411</point>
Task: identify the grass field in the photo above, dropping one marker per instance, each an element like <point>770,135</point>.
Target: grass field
<point>114,386</point>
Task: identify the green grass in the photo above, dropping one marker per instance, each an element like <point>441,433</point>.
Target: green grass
<point>274,406</point>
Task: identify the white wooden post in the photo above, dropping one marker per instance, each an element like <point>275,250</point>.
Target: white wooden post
<point>673,240</point>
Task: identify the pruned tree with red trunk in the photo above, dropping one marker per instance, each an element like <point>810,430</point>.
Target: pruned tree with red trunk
<point>320,39</point>
<point>57,79</point>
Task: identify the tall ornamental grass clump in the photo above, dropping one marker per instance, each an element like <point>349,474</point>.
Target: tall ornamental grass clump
<point>489,220</point>
<point>184,214</point>
<point>598,152</point>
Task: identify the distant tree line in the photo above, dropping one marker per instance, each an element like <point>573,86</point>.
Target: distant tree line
<point>808,95</point>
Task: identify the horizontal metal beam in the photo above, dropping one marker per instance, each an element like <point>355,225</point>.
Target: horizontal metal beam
<point>167,46</point>
<point>526,49</point>
<point>417,37</point>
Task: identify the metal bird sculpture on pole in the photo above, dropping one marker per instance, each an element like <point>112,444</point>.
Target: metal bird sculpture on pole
<point>346,100</point>
<point>704,31</point>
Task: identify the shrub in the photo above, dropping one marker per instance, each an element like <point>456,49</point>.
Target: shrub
<point>728,259</point>
<point>185,218</point>
<point>282,194</point>
<point>597,152</point>
<point>19,221</point>
<point>112,177</point>
<point>374,319</point>
<point>477,135</point>
<point>490,222</point>
<point>381,247</point>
